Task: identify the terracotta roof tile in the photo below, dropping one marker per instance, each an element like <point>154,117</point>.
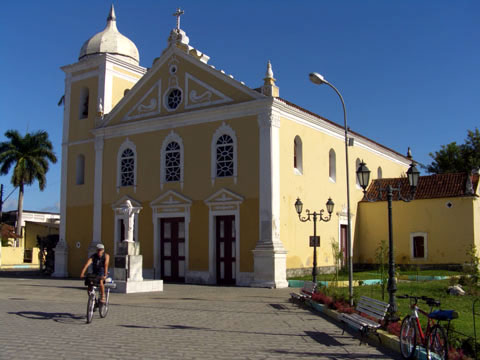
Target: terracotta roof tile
<point>429,187</point>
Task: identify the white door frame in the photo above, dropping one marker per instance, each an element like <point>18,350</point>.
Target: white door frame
<point>169,205</point>
<point>222,203</point>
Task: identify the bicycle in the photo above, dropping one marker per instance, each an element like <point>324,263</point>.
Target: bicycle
<point>434,340</point>
<point>93,303</point>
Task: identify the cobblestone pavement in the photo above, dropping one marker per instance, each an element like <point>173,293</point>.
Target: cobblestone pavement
<point>45,319</point>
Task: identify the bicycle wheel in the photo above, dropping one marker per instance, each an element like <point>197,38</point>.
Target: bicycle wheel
<point>90,308</point>
<point>437,344</point>
<point>104,307</point>
<point>408,337</point>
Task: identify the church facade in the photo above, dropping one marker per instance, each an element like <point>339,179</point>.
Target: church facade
<point>214,165</point>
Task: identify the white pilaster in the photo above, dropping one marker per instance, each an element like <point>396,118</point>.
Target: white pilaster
<point>61,250</point>
<point>270,269</point>
<point>97,194</point>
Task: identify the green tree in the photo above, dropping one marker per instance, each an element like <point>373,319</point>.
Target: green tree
<point>30,156</point>
<point>457,158</point>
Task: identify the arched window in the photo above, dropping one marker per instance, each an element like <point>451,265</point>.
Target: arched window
<point>171,169</point>
<point>224,156</point>
<point>80,175</point>
<point>297,155</point>
<point>224,153</point>
<point>332,165</point>
<point>83,103</point>
<point>379,172</point>
<point>127,164</point>
<point>172,162</point>
<point>357,164</point>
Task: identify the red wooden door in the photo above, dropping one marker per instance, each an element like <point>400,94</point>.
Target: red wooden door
<point>225,250</point>
<point>172,242</point>
<point>343,243</point>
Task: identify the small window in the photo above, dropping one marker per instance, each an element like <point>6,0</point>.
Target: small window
<point>83,103</point>
<point>80,178</point>
<point>127,168</point>
<point>172,162</point>
<point>297,155</point>
<point>225,153</point>
<point>332,165</point>
<point>379,172</point>
<point>419,245</point>
<point>125,92</point>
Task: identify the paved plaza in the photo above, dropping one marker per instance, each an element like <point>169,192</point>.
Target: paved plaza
<point>45,319</point>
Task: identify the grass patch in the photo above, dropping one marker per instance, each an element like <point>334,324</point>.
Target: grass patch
<point>435,289</point>
<point>372,274</point>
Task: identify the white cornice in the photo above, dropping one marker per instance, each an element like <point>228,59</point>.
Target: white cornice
<point>337,131</point>
<point>96,61</point>
<point>225,112</point>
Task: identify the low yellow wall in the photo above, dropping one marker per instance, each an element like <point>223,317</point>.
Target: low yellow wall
<point>14,256</point>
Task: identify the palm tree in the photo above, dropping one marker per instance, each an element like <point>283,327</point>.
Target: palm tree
<point>29,155</point>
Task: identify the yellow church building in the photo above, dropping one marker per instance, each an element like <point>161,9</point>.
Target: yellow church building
<point>213,166</point>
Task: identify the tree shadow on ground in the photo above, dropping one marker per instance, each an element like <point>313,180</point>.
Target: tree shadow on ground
<point>66,318</point>
<point>333,356</point>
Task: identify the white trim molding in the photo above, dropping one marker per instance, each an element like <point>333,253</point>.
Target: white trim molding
<point>223,203</point>
<point>171,137</point>
<point>425,245</point>
<point>97,193</point>
<point>270,257</point>
<point>168,205</point>
<point>192,100</point>
<point>223,129</point>
<point>127,144</point>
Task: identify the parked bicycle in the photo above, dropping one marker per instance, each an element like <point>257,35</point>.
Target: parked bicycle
<point>92,281</point>
<point>434,339</point>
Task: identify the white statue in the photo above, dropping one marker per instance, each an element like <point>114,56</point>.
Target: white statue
<point>129,218</point>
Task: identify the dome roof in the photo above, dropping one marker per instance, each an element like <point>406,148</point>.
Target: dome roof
<point>110,41</point>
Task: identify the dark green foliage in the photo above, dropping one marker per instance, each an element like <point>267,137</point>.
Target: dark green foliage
<point>454,158</point>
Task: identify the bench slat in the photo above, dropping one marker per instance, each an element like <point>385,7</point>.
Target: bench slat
<point>371,300</point>
<point>371,311</point>
<point>374,305</point>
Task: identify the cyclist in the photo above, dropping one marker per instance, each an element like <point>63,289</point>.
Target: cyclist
<point>99,262</point>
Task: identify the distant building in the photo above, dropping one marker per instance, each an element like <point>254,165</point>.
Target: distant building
<point>215,165</point>
<point>436,228</point>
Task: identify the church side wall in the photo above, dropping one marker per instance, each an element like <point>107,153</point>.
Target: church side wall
<point>314,187</point>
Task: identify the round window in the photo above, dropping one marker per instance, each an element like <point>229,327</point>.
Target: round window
<point>173,69</point>
<point>174,98</point>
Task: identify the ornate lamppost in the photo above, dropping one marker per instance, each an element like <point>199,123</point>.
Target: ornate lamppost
<point>314,240</point>
<point>363,175</point>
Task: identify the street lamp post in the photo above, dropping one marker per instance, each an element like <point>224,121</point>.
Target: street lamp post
<point>363,175</point>
<point>314,241</point>
<point>318,79</point>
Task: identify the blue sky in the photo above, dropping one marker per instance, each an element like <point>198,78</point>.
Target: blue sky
<point>408,70</point>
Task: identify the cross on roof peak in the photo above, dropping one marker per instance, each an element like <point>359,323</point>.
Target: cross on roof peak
<point>178,13</point>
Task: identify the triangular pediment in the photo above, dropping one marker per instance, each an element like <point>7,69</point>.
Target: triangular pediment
<point>224,196</point>
<point>170,198</point>
<point>119,203</point>
<point>178,82</point>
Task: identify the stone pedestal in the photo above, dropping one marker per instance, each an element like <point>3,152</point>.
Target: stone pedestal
<point>127,271</point>
<point>61,258</point>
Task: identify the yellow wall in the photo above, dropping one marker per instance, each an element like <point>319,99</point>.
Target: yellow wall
<point>314,188</point>
<point>14,256</point>
<point>32,229</point>
<point>118,89</point>
<point>449,230</point>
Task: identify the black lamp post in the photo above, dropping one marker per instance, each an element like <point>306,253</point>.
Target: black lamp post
<point>363,175</point>
<point>314,241</point>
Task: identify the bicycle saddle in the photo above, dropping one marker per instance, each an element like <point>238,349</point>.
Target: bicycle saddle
<point>443,315</point>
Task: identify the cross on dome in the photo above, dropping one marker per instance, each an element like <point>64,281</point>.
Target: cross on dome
<point>178,13</point>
